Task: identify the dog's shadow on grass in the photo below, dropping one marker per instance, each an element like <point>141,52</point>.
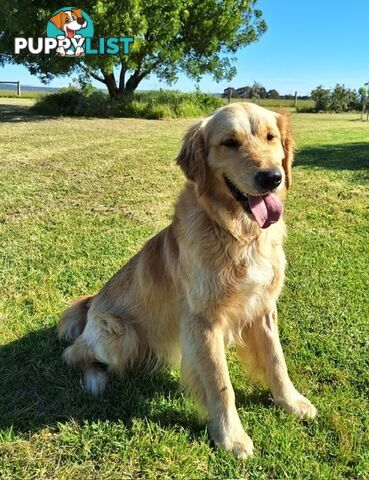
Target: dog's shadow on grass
<point>37,390</point>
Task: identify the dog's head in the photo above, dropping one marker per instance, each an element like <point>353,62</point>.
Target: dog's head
<point>245,152</point>
<point>69,21</point>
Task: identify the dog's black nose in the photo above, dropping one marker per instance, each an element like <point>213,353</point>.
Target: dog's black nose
<point>81,21</point>
<point>268,179</point>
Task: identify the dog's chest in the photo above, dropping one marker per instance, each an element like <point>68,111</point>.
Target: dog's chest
<point>254,284</point>
<point>257,272</point>
<point>256,276</point>
<point>251,268</point>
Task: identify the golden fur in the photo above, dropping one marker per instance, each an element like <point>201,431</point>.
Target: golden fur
<point>212,277</point>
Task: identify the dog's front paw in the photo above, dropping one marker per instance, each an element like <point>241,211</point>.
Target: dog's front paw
<point>298,405</point>
<point>235,441</point>
<point>241,447</point>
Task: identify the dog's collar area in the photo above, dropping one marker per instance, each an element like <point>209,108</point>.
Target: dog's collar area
<point>238,195</point>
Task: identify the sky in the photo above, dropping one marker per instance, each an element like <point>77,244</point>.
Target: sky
<point>308,43</point>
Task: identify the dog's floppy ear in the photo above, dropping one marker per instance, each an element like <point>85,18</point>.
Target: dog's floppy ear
<point>192,157</point>
<point>77,12</point>
<point>284,125</point>
<point>58,20</point>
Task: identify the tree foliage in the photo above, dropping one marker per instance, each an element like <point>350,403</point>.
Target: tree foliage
<point>256,92</point>
<point>320,95</point>
<point>273,93</point>
<point>171,36</point>
<point>339,99</point>
<point>342,99</point>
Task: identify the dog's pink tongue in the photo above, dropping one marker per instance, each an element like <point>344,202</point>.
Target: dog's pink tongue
<point>266,209</point>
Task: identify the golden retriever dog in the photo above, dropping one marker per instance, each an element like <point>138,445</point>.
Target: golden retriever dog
<point>210,279</point>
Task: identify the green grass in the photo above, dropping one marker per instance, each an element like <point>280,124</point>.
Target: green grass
<point>79,197</point>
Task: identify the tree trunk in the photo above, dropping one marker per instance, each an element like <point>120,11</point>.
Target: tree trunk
<point>125,88</point>
<point>111,85</point>
<point>133,81</point>
<point>122,81</point>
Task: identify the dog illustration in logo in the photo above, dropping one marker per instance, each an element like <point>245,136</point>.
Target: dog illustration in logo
<point>69,21</point>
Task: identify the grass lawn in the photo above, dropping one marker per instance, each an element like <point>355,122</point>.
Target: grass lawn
<point>79,197</point>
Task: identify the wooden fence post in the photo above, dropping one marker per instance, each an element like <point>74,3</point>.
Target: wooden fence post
<point>13,83</point>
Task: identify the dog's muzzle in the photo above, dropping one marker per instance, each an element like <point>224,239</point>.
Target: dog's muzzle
<point>238,195</point>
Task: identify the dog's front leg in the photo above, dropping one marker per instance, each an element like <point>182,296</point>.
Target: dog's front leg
<point>205,371</point>
<point>261,343</point>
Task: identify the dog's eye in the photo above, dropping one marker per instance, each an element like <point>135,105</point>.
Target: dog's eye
<point>67,20</point>
<point>74,18</point>
<point>270,137</point>
<point>231,143</point>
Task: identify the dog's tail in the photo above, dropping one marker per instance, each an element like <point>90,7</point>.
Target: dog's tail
<point>74,319</point>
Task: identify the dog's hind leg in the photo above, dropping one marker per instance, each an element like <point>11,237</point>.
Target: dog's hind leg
<point>74,319</point>
<point>107,344</point>
<point>95,375</point>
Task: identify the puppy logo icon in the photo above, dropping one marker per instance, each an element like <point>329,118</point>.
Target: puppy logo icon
<point>70,26</point>
<point>70,33</point>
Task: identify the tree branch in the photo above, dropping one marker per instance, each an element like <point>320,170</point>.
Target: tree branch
<point>91,73</point>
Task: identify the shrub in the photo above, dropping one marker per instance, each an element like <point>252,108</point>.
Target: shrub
<point>340,99</point>
<point>306,109</point>
<point>152,105</point>
<point>97,105</point>
<point>189,109</point>
<point>72,101</point>
<point>321,97</point>
<point>68,101</point>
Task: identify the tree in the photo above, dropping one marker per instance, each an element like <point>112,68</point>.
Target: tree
<point>258,91</point>
<point>363,93</point>
<point>263,93</point>
<point>321,97</point>
<point>244,92</point>
<point>229,92</point>
<point>342,99</point>
<point>171,36</point>
<point>273,94</point>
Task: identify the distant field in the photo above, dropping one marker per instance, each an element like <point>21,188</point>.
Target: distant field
<point>78,198</point>
<point>266,102</point>
<point>24,94</point>
<point>281,103</point>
